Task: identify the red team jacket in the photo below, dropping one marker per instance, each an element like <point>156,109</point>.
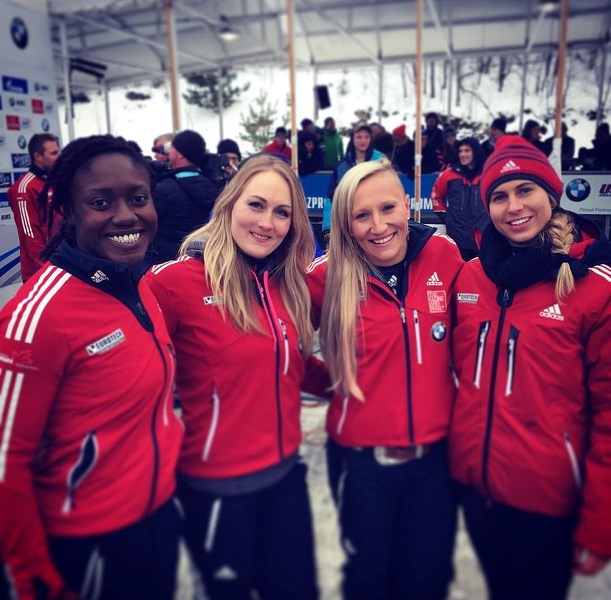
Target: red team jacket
<point>89,438</point>
<point>240,393</point>
<point>533,411</point>
<point>32,231</point>
<point>403,358</point>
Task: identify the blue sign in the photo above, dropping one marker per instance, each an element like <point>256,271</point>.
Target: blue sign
<point>5,180</point>
<point>20,161</point>
<point>14,85</point>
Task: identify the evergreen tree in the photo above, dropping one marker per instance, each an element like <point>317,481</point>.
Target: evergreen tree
<point>260,122</point>
<point>204,89</point>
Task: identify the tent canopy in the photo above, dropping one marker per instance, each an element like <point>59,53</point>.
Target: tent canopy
<point>128,37</point>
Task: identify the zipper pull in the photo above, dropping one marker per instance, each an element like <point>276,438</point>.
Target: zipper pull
<point>402,311</point>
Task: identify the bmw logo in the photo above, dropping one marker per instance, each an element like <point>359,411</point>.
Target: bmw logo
<point>19,33</point>
<point>11,102</point>
<point>45,125</point>
<point>578,190</point>
<point>21,142</point>
<point>438,331</point>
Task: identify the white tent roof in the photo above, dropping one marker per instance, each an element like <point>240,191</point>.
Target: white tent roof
<point>129,36</point>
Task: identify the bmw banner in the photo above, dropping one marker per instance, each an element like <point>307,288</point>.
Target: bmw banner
<point>587,193</point>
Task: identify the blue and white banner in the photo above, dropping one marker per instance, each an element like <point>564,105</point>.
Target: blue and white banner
<point>28,103</point>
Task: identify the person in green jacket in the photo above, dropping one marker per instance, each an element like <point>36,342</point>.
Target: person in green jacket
<point>332,142</point>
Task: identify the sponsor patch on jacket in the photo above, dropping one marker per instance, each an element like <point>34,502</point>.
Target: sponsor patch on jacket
<point>467,298</point>
<point>108,342</point>
<point>437,301</point>
<point>99,276</point>
<point>438,331</point>
<point>210,300</point>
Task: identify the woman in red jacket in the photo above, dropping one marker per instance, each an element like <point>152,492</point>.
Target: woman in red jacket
<point>384,297</point>
<point>240,321</point>
<point>531,430</point>
<point>89,441</point>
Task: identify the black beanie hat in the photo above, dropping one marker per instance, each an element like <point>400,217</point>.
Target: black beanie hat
<point>191,145</point>
<point>229,146</point>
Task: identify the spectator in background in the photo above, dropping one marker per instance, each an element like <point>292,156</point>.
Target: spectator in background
<point>184,196</point>
<point>598,158</point>
<point>403,151</point>
<point>434,144</point>
<point>382,140</point>
<point>532,133</point>
<point>161,146</point>
<point>307,126</point>
<point>456,198</point>
<point>567,152</point>
<point>231,151</point>
<point>28,211</point>
<point>279,144</point>
<point>310,155</point>
<point>332,143</point>
<point>496,130</point>
<point>449,150</point>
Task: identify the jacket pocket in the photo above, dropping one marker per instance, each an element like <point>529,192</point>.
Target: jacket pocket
<point>512,347</point>
<point>213,425</point>
<point>573,460</point>
<point>482,338</point>
<point>83,466</point>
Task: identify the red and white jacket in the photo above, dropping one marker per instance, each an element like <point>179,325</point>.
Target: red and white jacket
<point>89,438</point>
<point>240,393</point>
<point>403,354</point>
<point>532,423</point>
<point>31,229</point>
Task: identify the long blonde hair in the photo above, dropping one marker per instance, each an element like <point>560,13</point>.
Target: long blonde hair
<point>560,231</point>
<point>227,271</point>
<point>346,283</point>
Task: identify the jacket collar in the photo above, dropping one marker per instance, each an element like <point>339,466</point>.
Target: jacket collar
<point>39,172</point>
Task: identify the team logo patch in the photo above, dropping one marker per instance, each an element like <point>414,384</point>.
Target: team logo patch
<point>210,300</point>
<point>106,343</point>
<point>437,301</point>
<point>467,298</point>
<point>438,331</point>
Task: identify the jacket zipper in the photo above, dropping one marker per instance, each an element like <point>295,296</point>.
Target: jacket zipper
<point>342,419</point>
<point>418,343</point>
<point>410,408</point>
<point>285,338</point>
<point>216,405</point>
<point>266,302</point>
<point>511,359</point>
<point>573,459</point>
<point>484,329</point>
<point>495,361</point>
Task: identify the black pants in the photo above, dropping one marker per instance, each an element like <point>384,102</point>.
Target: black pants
<point>259,541</point>
<point>522,554</point>
<point>137,562</point>
<point>398,524</point>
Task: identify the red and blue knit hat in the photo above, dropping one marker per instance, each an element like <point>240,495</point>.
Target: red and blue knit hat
<point>516,158</point>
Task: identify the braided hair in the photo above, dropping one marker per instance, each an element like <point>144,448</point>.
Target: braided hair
<point>561,234</point>
<point>76,155</point>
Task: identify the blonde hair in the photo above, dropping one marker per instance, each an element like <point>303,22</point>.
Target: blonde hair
<point>560,232</point>
<point>346,283</point>
<point>227,270</point>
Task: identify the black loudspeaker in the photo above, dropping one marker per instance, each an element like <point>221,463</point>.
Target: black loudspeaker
<point>322,96</point>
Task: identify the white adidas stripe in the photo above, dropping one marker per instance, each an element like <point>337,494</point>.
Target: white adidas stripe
<point>22,188</point>
<point>603,270</point>
<point>156,269</point>
<point>6,425</point>
<point>37,295</point>
<point>25,218</point>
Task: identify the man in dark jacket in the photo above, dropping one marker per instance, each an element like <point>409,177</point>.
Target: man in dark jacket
<point>456,198</point>
<point>183,197</point>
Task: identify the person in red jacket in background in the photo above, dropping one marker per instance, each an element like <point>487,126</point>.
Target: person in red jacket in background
<point>23,197</point>
<point>456,198</point>
<point>530,441</point>
<point>279,144</point>
<point>239,317</point>
<point>89,438</point>
<point>383,295</point>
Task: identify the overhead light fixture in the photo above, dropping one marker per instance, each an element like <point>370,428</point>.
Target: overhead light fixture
<point>226,32</point>
<point>548,6</point>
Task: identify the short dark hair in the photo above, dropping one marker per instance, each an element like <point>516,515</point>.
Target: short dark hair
<point>281,131</point>
<point>37,142</point>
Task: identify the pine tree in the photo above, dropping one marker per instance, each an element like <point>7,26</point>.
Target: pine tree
<point>260,122</point>
<point>204,89</point>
